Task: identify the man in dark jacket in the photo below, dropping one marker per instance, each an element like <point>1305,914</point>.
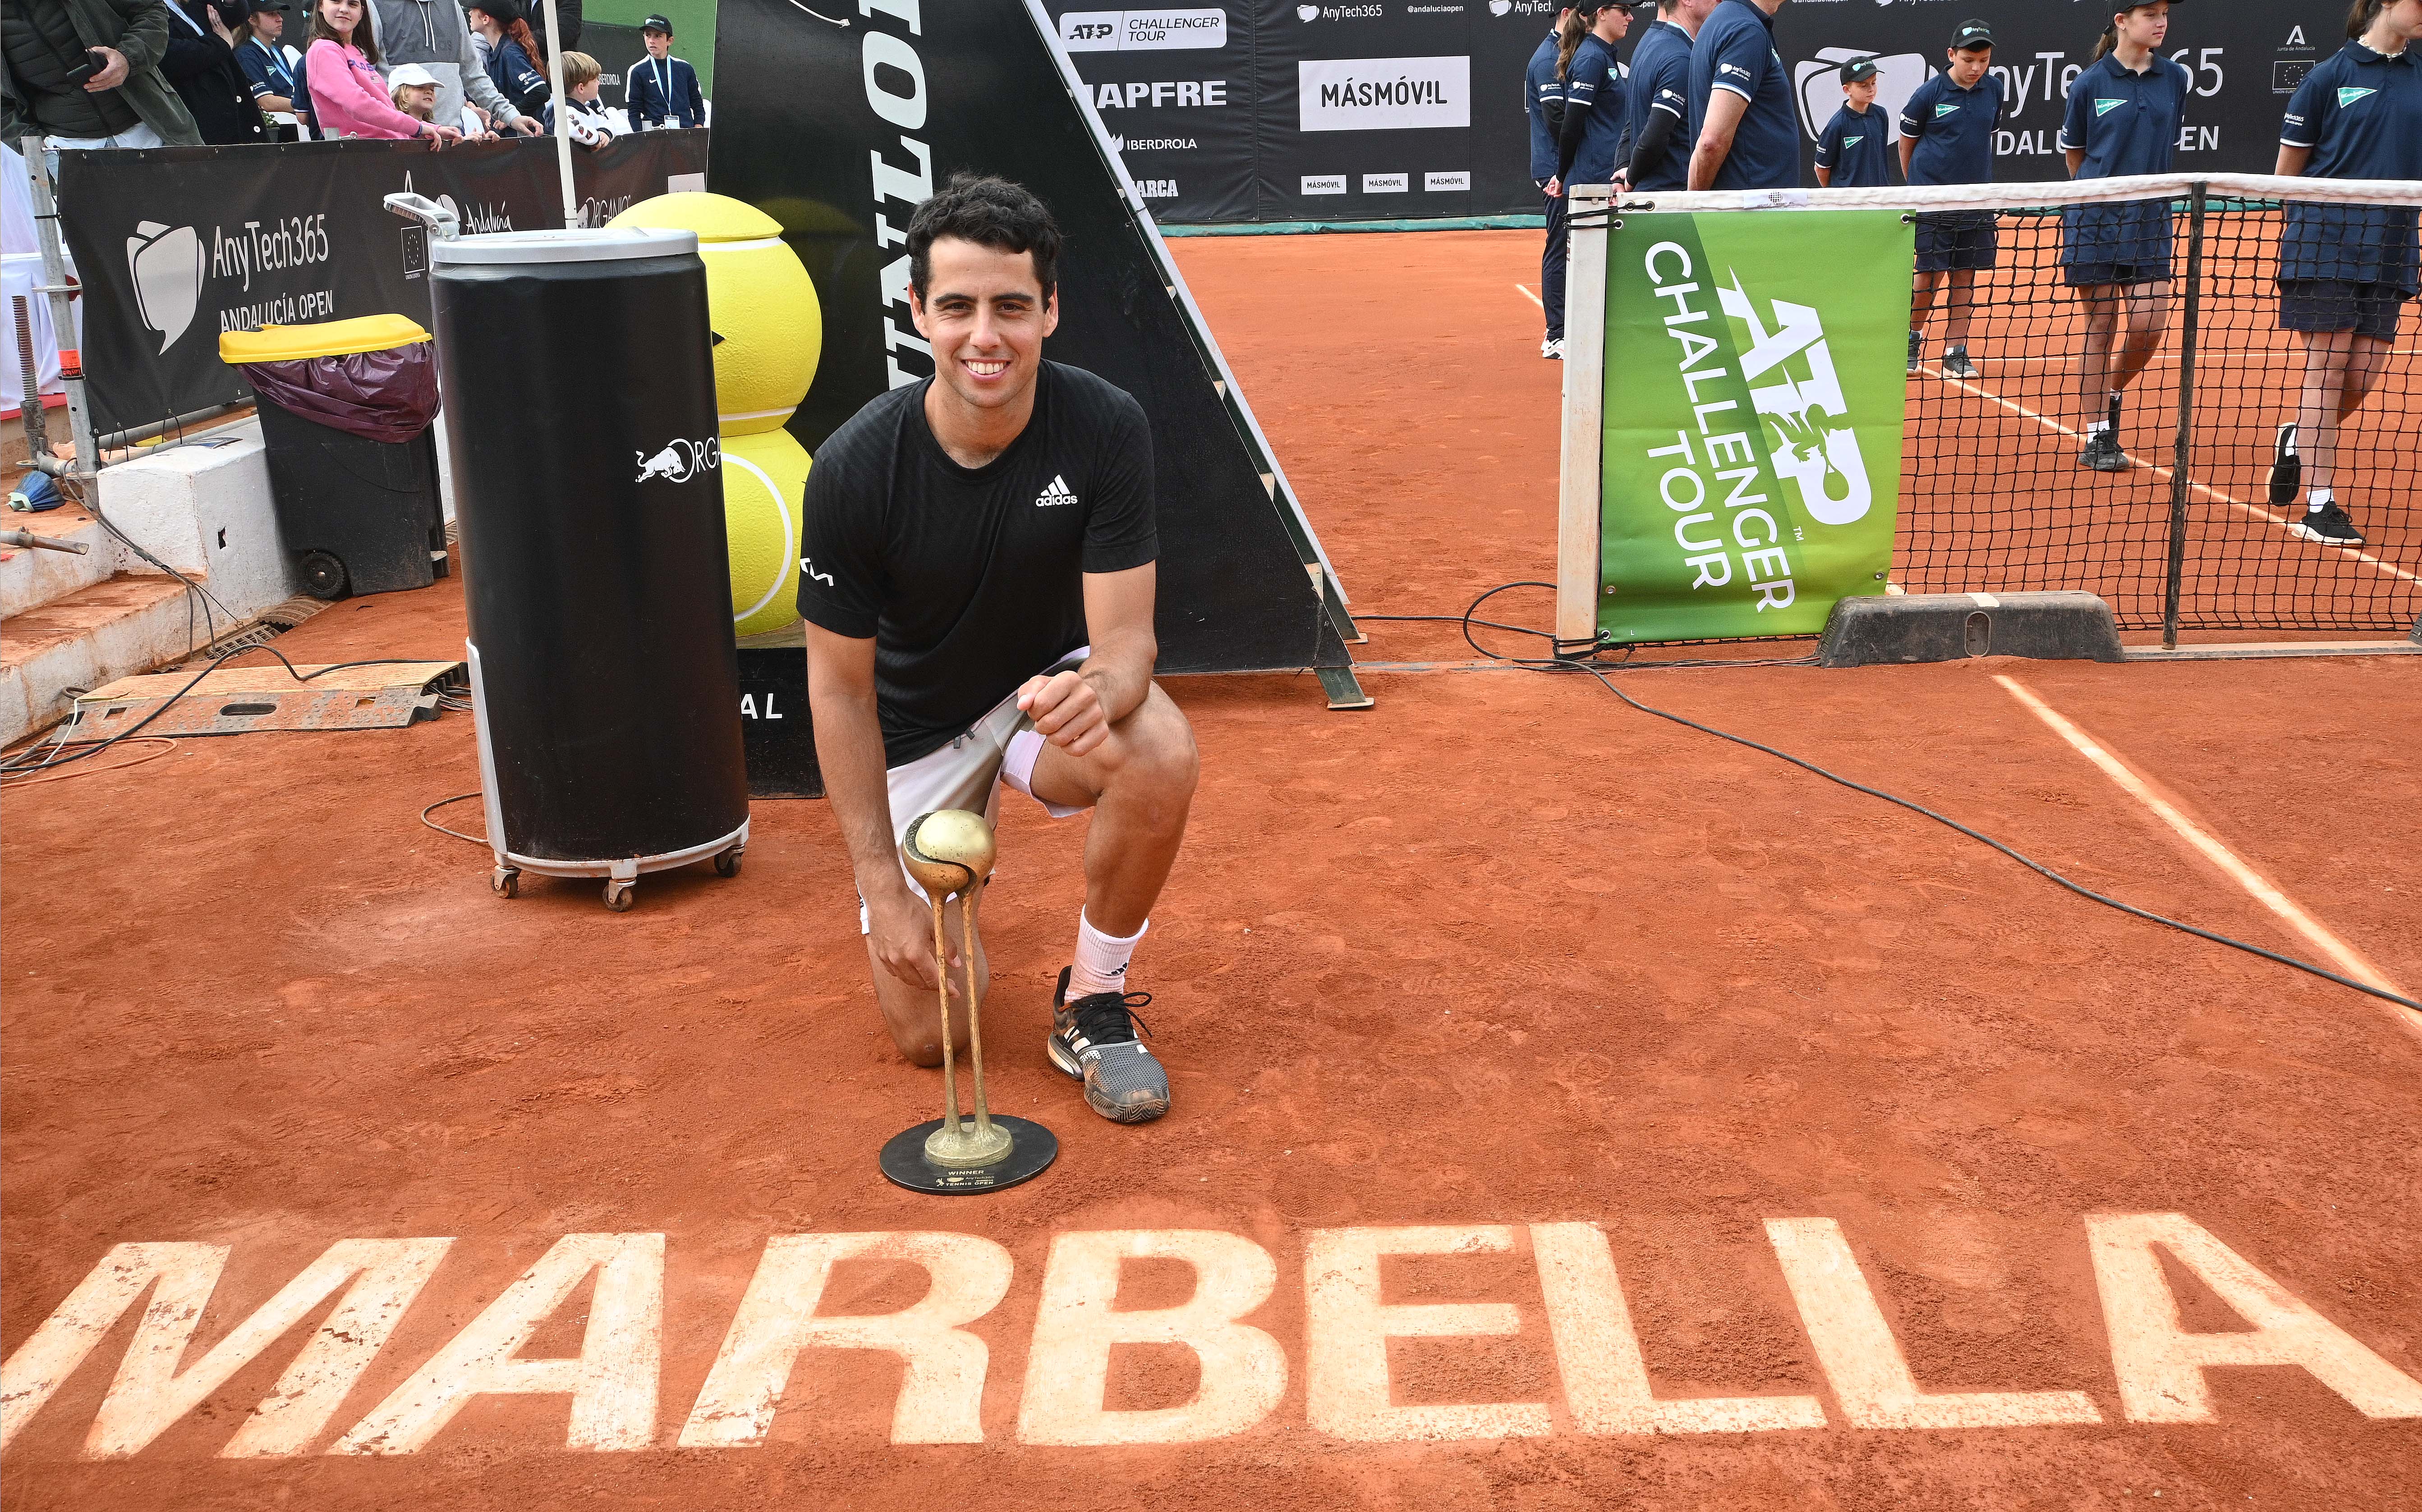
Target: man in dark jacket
<point>201,62</point>
<point>120,101</point>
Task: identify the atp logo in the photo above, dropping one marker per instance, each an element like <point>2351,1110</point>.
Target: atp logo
<point>167,268</point>
<point>1821,459</point>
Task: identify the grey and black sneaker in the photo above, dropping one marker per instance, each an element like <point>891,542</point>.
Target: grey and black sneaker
<point>1093,1039</point>
<point>1916,352</point>
<point>2328,525</point>
<point>2286,468</point>
<point>2103,453</point>
<point>1955,363</point>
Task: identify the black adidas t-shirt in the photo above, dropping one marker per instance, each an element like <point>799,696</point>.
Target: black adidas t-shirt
<point>970,579</point>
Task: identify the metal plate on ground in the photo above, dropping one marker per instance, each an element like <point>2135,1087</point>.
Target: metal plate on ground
<point>239,700</point>
<point>1032,1148</point>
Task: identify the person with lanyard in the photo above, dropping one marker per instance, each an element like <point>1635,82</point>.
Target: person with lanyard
<point>2125,113</point>
<point>662,90</point>
<point>979,568</point>
<point>270,66</point>
<point>1744,127</point>
<point>2346,271</point>
<point>1543,104</point>
<point>1947,137</point>
<point>1588,148</point>
<point>1657,98</point>
<point>1854,152</point>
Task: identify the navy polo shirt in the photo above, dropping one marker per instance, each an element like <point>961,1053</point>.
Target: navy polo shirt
<point>1595,84</point>
<point>1856,148</point>
<point>2126,123</point>
<point>1541,89</point>
<point>2361,114</point>
<point>1953,129</point>
<point>1735,51</point>
<point>1661,80</point>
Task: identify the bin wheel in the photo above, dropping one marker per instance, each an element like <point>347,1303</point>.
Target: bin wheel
<point>727,863</point>
<point>323,576</point>
<point>620,897</point>
<point>506,881</point>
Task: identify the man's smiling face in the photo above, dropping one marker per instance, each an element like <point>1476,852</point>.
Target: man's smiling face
<point>986,315</point>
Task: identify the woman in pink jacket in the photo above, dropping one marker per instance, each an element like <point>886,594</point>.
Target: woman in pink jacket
<point>347,96</point>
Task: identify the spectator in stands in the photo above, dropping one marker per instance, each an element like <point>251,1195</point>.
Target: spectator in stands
<point>1947,137</point>
<point>274,68</point>
<point>84,74</point>
<point>567,17</point>
<point>1542,102</point>
<point>435,35</point>
<point>589,122</point>
<point>348,97</point>
<point>1744,128</point>
<point>414,89</point>
<point>2347,270</point>
<point>201,62</point>
<point>2125,113</point>
<point>512,54</point>
<point>662,90</point>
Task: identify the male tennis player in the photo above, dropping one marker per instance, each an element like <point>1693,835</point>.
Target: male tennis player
<point>2346,271</point>
<point>2124,115</point>
<point>1947,137</point>
<point>977,583</point>
<point>1744,128</point>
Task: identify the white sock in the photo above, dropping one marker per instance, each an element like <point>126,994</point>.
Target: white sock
<point>2098,426</point>
<point>2293,431</point>
<point>2320,499</point>
<point>1101,964</point>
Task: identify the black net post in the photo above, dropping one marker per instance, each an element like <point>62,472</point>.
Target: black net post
<point>2182,463</point>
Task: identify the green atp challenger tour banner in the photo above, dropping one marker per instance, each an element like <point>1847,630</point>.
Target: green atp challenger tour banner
<point>1755,379</point>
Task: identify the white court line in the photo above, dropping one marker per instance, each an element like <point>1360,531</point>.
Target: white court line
<point>2256,510</point>
<point>2344,957</point>
<point>1527,294</point>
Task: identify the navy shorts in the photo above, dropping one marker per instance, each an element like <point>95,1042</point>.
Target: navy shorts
<point>1956,238</point>
<point>2333,304</point>
<point>2099,274</point>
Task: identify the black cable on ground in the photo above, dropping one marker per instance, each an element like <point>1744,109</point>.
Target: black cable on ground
<point>475,839</point>
<point>1589,665</point>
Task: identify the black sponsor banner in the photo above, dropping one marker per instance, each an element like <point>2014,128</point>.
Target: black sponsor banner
<point>1385,109</point>
<point>175,245</point>
<point>641,166</point>
<point>616,48</point>
<point>2246,56</point>
<point>839,133</point>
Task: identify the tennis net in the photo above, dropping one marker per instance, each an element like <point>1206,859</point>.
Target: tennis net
<point>2183,524</point>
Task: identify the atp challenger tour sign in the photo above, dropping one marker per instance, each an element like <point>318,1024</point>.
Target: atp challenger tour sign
<point>1753,392</point>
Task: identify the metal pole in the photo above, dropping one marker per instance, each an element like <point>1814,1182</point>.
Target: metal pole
<point>86,467</point>
<point>2182,460</point>
<point>562,115</point>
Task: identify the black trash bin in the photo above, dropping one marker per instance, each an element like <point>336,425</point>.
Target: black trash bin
<point>345,412</point>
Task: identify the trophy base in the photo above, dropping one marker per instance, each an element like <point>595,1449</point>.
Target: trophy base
<point>1031,1149</point>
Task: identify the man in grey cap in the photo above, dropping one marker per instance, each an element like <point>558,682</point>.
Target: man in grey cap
<point>434,34</point>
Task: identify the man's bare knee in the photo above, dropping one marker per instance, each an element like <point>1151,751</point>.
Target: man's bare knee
<point>1157,761</point>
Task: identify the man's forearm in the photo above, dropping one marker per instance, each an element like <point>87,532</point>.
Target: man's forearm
<point>849,750</point>
<point>1120,673</point>
<point>1707,159</point>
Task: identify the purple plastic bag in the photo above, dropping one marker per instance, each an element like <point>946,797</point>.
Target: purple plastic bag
<point>378,396</point>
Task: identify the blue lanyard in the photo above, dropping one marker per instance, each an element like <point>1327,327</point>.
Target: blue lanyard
<point>278,63</point>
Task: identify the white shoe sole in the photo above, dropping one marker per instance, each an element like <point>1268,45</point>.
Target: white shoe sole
<point>2304,532</point>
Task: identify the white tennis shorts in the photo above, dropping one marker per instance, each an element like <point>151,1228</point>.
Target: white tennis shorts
<point>1001,749</point>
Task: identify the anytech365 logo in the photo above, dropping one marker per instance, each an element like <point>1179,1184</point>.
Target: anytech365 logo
<point>168,267</point>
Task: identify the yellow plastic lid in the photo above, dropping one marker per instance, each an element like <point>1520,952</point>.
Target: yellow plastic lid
<point>327,339</point>
<point>714,217</point>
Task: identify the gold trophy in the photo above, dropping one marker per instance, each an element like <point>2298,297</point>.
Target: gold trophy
<point>949,853</point>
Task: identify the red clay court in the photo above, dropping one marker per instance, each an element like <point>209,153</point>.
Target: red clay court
<point>1571,1109</point>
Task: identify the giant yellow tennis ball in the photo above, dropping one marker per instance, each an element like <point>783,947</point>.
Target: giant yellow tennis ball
<point>763,478</point>
<point>769,330</point>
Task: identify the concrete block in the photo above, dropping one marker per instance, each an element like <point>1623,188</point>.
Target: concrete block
<point>203,507</point>
<point>29,578</point>
<point>1950,626</point>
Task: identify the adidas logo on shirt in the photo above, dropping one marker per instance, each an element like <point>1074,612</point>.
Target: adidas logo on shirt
<point>1057,493</point>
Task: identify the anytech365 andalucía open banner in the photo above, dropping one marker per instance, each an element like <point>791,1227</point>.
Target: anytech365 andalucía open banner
<point>1755,372</point>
